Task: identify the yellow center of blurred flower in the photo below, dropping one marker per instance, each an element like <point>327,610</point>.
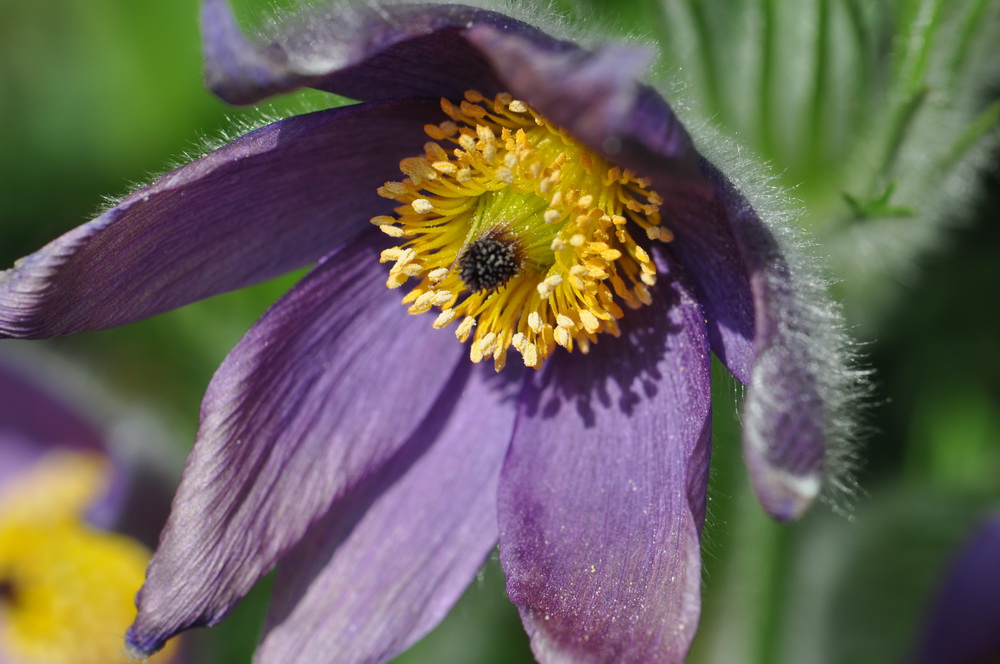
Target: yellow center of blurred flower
<point>520,233</point>
<point>66,590</point>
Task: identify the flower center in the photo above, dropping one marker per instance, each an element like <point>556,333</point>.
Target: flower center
<point>520,233</point>
<point>489,262</point>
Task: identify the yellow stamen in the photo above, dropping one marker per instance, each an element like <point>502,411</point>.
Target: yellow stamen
<point>520,232</point>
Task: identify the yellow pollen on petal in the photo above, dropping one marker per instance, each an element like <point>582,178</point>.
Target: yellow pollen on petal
<point>519,232</point>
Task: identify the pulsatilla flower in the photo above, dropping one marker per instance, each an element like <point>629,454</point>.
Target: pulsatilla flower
<point>550,210</point>
<point>66,582</point>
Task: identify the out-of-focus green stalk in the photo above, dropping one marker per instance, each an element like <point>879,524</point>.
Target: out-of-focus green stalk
<point>818,111</point>
<point>706,49</point>
<point>971,25</point>
<point>910,84</point>
<point>985,122</point>
<point>768,95</point>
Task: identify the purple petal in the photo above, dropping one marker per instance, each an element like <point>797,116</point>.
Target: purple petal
<point>444,50</point>
<point>962,625</point>
<point>588,95</point>
<point>357,51</point>
<point>384,566</point>
<point>631,124</point>
<point>705,245</point>
<point>788,411</point>
<point>33,423</point>
<point>276,199</point>
<point>760,322</point>
<point>319,394</point>
<point>602,496</point>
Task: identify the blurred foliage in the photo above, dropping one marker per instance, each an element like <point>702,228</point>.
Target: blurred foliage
<point>881,117</point>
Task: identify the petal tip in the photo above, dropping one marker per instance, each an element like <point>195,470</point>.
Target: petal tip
<point>235,70</point>
<point>785,496</point>
<point>140,649</point>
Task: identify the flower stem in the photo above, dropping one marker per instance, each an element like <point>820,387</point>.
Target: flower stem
<point>980,126</point>
<point>970,27</point>
<point>910,87</point>
<point>821,83</point>
<point>767,67</point>
<point>707,55</point>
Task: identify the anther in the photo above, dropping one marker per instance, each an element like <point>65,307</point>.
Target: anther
<point>391,254</point>
<point>590,322</point>
<point>437,275</point>
<point>422,206</point>
<point>563,337</point>
<point>467,142</point>
<point>464,328</point>
<point>550,283</point>
<point>444,318</point>
<point>530,355</point>
<point>392,189</point>
<point>502,204</point>
<point>643,294</point>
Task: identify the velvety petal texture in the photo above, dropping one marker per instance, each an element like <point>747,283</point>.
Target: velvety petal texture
<point>318,396</point>
<point>603,494</point>
<point>386,564</point>
<point>358,50</point>
<point>704,243</point>
<point>585,93</point>
<point>634,127</point>
<point>271,201</point>
<point>759,323</point>
<point>433,50</point>
<point>720,238</point>
<point>787,412</point>
<point>353,445</point>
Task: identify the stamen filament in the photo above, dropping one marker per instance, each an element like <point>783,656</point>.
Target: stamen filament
<point>519,232</point>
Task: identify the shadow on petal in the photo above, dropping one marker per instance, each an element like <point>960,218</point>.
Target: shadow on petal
<point>602,495</point>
